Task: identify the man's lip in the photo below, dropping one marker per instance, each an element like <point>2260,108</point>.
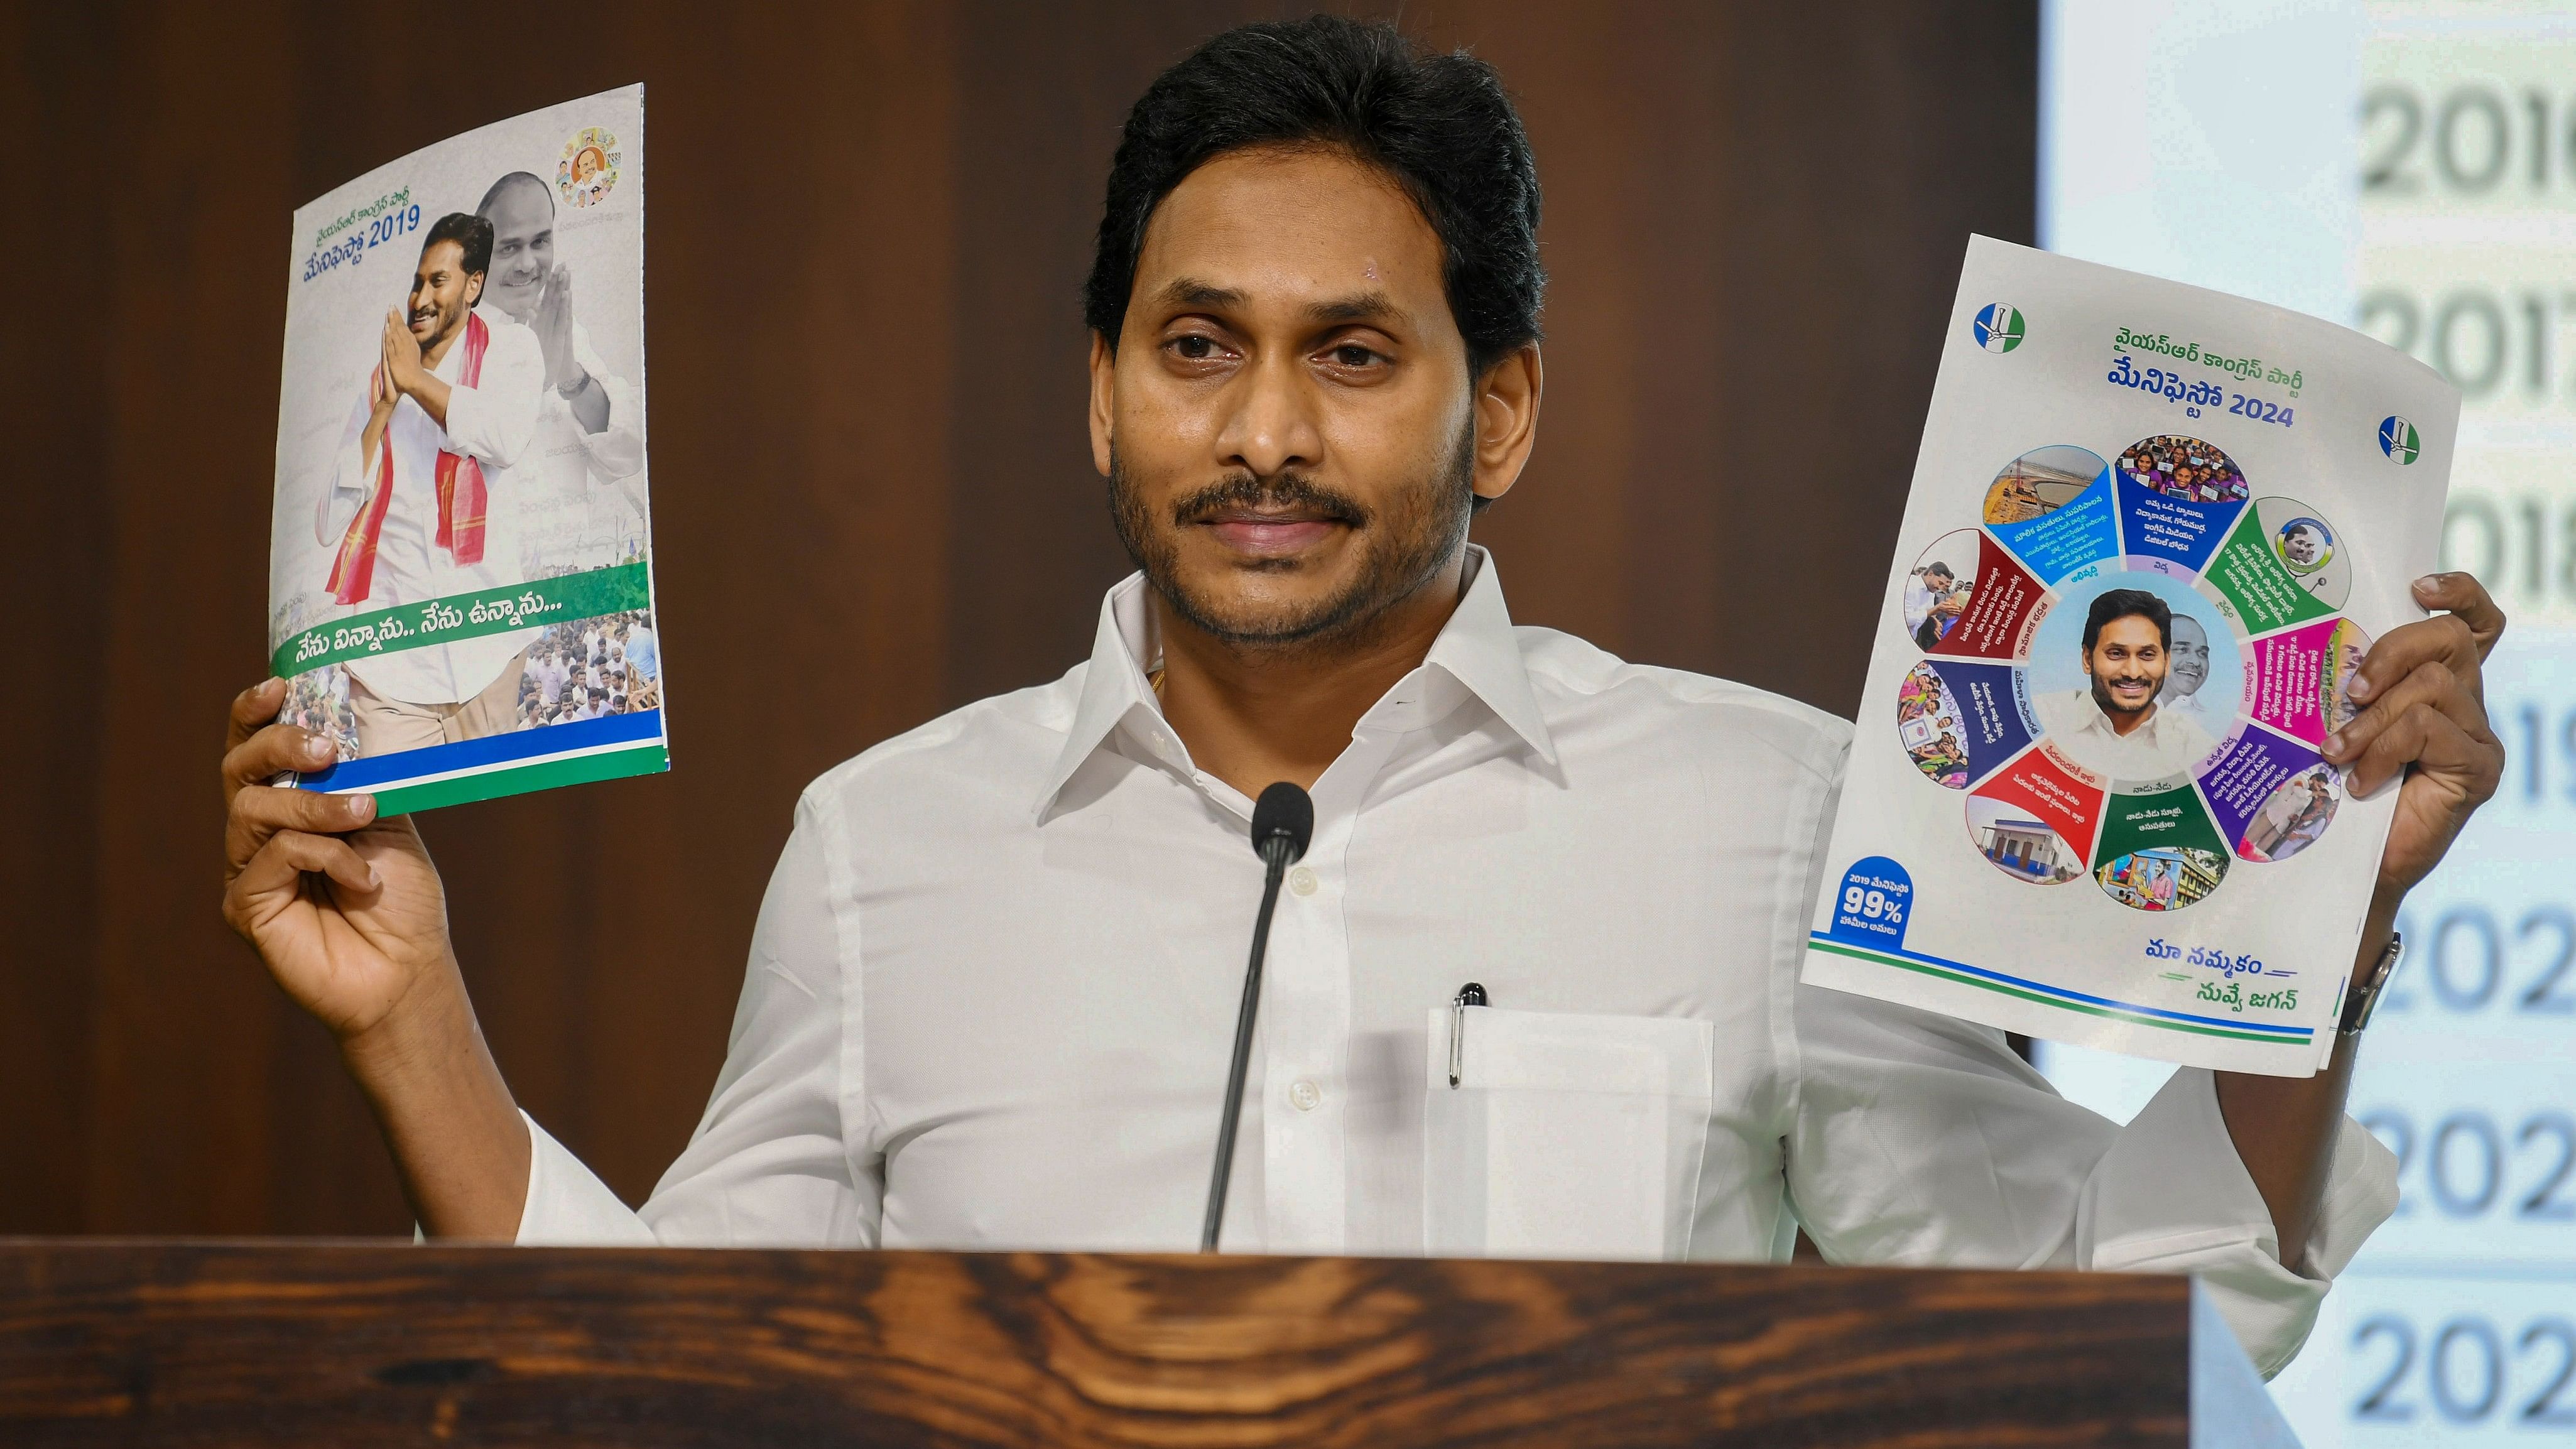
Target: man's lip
<point>1246,531</point>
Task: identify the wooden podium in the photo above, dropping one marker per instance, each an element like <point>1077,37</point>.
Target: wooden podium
<point>106,1342</point>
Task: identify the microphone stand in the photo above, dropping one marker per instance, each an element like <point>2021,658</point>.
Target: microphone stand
<point>1283,820</point>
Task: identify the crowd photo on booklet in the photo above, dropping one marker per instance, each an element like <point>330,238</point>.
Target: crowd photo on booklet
<point>592,667</point>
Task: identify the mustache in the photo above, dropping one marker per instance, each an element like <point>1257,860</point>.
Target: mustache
<point>1286,492</point>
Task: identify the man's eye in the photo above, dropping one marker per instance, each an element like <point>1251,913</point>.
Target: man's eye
<point>1351,354</point>
<point>1196,349</point>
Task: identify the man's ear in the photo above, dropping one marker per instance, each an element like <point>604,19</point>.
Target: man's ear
<point>1104,400</point>
<point>1506,402</point>
<point>474,289</point>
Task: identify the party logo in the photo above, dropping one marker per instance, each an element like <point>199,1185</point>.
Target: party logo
<point>2399,440</point>
<point>1997,328</point>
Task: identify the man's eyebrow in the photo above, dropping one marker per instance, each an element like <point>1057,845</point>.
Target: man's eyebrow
<point>1191,292</point>
<point>1357,307</point>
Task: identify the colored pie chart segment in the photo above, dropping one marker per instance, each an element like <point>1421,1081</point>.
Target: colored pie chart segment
<point>2000,609</point>
<point>2159,851</point>
<point>2254,583</point>
<point>1960,721</point>
<point>2070,542</point>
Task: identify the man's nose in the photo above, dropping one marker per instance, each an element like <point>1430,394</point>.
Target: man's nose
<point>1272,425</point>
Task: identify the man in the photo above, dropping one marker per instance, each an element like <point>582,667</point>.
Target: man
<point>1931,604</point>
<point>992,990</point>
<point>423,503</point>
<point>2187,672</point>
<point>2113,725</point>
<point>587,426</point>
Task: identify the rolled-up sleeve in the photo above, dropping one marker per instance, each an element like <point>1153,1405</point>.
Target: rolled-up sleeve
<point>496,419</point>
<point>767,1165</point>
<point>617,450</point>
<point>1921,1140</point>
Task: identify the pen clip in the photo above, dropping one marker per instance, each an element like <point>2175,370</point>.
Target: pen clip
<point>1468,995</point>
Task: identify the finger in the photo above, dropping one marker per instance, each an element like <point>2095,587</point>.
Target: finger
<point>2443,639</point>
<point>2432,743</point>
<point>274,750</point>
<point>252,708</point>
<point>259,812</point>
<point>280,866</point>
<point>2432,684</point>
<point>2462,595</point>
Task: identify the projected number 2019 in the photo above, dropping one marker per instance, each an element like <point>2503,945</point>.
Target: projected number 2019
<point>1873,905</point>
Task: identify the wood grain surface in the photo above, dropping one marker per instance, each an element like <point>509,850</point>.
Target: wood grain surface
<point>219,1344</point>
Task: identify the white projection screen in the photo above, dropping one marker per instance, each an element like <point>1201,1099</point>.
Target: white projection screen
<point>2408,169</point>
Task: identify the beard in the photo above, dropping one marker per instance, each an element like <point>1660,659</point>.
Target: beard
<point>1402,546</point>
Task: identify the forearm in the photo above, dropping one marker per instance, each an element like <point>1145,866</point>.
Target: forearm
<point>589,404</point>
<point>432,395</point>
<point>2284,1128</point>
<point>447,1116</point>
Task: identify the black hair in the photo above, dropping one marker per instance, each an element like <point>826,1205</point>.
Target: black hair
<point>2126,604</point>
<point>1438,125</point>
<point>472,234</point>
<point>1938,567</point>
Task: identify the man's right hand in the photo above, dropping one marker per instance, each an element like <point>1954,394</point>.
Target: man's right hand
<point>348,912</point>
<point>346,909</point>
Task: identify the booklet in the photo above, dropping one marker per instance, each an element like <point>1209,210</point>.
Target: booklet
<point>461,563</point>
<point>2152,532</point>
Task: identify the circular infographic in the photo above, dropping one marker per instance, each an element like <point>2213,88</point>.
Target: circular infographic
<point>2129,668</point>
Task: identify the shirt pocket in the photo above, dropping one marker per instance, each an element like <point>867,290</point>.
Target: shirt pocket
<point>1565,1136</point>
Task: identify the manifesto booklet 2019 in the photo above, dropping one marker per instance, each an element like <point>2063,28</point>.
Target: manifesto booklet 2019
<point>461,561</point>
<point>2153,530</point>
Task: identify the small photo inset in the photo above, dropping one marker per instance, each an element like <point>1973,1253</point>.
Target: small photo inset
<point>2181,467</point>
<point>2166,878</point>
<point>1928,725</point>
<point>2018,845</point>
<point>591,667</point>
<point>2308,546</point>
<point>2040,481</point>
<point>318,700</point>
<point>2293,815</point>
<point>1938,587</point>
<point>2345,649</point>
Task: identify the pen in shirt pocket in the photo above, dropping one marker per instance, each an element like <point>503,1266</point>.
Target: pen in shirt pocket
<point>1468,995</point>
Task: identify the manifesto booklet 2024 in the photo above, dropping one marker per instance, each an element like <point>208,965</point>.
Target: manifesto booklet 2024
<point>2152,532</point>
<point>461,563</point>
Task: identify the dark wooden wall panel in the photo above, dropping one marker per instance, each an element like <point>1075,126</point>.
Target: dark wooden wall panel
<point>874,494</point>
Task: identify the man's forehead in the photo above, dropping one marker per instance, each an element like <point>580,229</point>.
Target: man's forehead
<point>520,209</point>
<point>1311,229</point>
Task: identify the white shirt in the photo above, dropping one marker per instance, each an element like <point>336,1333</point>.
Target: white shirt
<point>992,992</point>
<point>2167,744</point>
<point>494,422</point>
<point>566,462</point>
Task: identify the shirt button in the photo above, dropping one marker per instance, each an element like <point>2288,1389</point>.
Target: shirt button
<point>1304,1095</point>
<point>1302,881</point>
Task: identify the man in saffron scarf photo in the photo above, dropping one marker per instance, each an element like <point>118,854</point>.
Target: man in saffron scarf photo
<point>422,503</point>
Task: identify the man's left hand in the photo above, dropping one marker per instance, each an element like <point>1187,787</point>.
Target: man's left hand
<point>2426,721</point>
<point>553,326</point>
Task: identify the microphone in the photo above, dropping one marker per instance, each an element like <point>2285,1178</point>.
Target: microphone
<point>1283,820</point>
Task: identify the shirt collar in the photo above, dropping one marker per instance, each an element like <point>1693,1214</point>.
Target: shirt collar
<point>2096,721</point>
<point>1476,650</point>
